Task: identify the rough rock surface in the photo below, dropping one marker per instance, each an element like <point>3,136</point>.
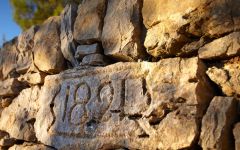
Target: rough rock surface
<point>10,87</point>
<point>103,104</point>
<point>47,52</point>
<point>173,24</point>
<point>99,104</point>
<point>95,59</point>
<point>227,76</point>
<point>121,37</point>
<point>68,48</point>
<point>18,118</point>
<point>8,59</point>
<point>236,133</point>
<point>89,22</point>
<point>224,47</point>
<point>83,50</point>
<point>217,123</point>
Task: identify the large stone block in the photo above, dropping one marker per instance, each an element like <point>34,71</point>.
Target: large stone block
<point>217,124</point>
<point>68,48</point>
<point>226,76</point>
<point>124,105</point>
<point>227,46</point>
<point>172,25</point>
<point>8,59</point>
<point>18,118</point>
<point>121,38</point>
<point>89,22</point>
<point>47,51</point>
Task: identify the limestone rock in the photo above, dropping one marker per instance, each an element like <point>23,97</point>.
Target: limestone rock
<point>216,132</point>
<point>18,118</point>
<point>10,87</point>
<point>83,50</point>
<point>124,105</point>
<point>33,78</point>
<point>172,130</point>
<point>95,59</point>
<point>47,52</point>
<point>121,37</point>
<point>8,59</point>
<point>226,77</point>
<point>89,22</point>
<point>236,133</point>
<point>68,17</point>
<point>30,146</point>
<point>25,46</point>
<point>173,24</point>
<point>224,47</point>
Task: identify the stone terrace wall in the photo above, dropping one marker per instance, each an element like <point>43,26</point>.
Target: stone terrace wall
<point>125,74</point>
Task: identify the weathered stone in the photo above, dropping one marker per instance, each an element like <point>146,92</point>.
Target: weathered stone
<point>121,37</point>
<point>172,130</point>
<point>83,50</point>
<point>30,146</point>
<point>227,77</point>
<point>26,39</point>
<point>216,132</point>
<point>224,47</point>
<point>33,78</point>
<point>95,59</point>
<point>173,24</point>
<point>18,118</point>
<point>68,17</point>
<point>124,105</point>
<point>89,22</point>
<point>25,46</point>
<point>10,87</point>
<point>8,59</point>
<point>236,133</point>
<point>47,52</point>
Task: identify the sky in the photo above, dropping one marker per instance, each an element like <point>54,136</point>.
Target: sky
<point>8,27</point>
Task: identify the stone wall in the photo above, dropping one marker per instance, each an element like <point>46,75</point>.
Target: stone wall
<point>125,74</point>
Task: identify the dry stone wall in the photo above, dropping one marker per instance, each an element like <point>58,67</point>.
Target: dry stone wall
<point>125,74</point>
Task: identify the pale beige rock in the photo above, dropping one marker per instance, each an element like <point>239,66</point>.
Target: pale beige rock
<point>10,87</point>
<point>25,45</point>
<point>124,105</point>
<point>83,50</point>
<point>33,78</point>
<point>121,37</point>
<point>47,52</point>
<point>30,146</point>
<point>226,77</point>
<point>18,118</point>
<point>95,59</point>
<point>68,17</point>
<point>236,133</point>
<point>224,47</point>
<point>217,123</point>
<point>173,24</point>
<point>89,22</point>
<point>174,127</point>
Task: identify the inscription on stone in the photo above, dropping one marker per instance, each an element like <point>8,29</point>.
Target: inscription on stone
<point>87,103</point>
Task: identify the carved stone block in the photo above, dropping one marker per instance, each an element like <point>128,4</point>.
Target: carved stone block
<point>123,105</point>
